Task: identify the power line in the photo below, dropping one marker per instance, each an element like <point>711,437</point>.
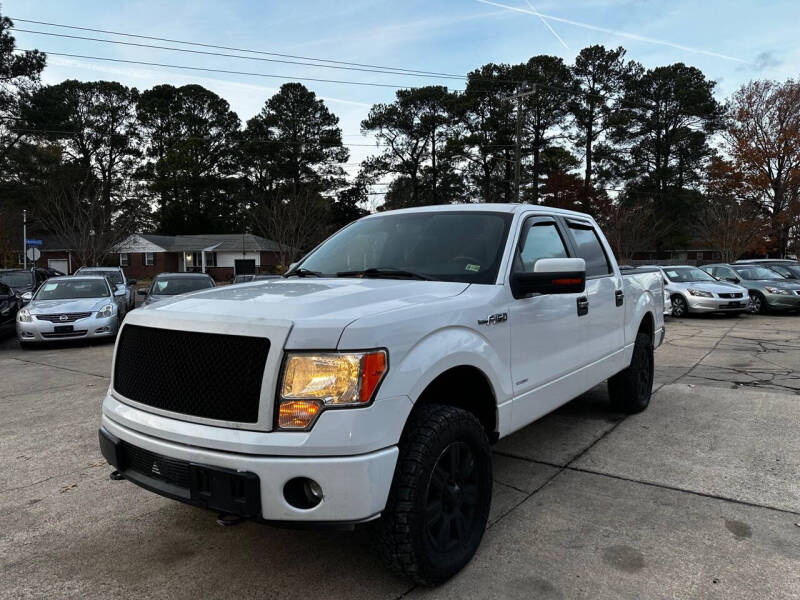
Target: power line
<point>222,54</point>
<point>226,71</point>
<point>262,52</point>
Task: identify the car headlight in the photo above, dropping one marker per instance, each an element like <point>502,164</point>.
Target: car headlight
<point>313,382</point>
<point>775,290</point>
<point>24,316</point>
<point>106,311</point>
<point>701,293</point>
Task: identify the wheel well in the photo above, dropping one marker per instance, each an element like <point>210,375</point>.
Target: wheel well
<point>467,388</point>
<point>676,295</point>
<point>648,325</point>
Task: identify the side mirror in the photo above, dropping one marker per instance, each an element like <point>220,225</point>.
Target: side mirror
<point>733,279</point>
<point>551,276</point>
<point>121,291</point>
<point>26,297</point>
<point>141,292</point>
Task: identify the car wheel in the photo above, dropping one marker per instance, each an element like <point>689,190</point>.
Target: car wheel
<point>758,304</point>
<point>439,502</point>
<point>679,307</point>
<point>630,390</point>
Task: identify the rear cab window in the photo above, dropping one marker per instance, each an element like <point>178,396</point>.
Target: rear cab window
<point>590,249</point>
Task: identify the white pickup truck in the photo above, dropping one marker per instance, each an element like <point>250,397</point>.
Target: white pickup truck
<point>369,383</point>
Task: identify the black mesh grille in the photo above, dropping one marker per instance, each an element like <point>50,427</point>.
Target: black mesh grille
<point>200,374</point>
<point>731,295</point>
<point>156,466</point>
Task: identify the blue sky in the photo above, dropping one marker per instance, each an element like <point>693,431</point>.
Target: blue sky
<point>731,41</point>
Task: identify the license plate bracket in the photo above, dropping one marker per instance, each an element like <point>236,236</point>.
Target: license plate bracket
<point>63,328</point>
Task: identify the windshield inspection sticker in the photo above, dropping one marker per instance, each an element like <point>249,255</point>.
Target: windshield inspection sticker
<point>49,287</point>
<point>475,268</point>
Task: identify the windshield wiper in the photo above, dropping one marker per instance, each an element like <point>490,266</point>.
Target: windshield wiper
<point>301,272</point>
<point>387,272</point>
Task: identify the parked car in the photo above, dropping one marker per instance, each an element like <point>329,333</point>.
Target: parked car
<point>47,272</point>
<point>789,269</point>
<point>117,278</point>
<point>10,303</point>
<point>22,281</point>
<point>343,394</point>
<point>77,307</point>
<point>667,304</point>
<point>768,290</point>
<point>166,285</point>
<point>693,290</point>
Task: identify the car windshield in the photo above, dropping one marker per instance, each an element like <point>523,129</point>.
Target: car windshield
<point>180,285</point>
<point>755,273</point>
<point>449,246</point>
<point>788,271</point>
<point>66,289</point>
<point>687,275</point>
<point>17,279</point>
<point>112,275</point>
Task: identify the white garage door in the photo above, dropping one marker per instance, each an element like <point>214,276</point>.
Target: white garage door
<point>59,264</point>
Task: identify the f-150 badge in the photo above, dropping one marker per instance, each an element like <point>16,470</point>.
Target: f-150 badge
<point>494,319</point>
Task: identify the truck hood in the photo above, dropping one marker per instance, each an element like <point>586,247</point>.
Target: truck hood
<point>317,310</point>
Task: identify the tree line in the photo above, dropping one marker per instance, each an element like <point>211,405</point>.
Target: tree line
<point>651,153</point>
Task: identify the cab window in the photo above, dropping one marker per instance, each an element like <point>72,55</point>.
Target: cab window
<point>591,250</point>
<point>542,240</point>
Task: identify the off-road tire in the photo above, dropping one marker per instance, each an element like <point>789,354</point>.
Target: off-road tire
<point>630,390</point>
<point>404,535</point>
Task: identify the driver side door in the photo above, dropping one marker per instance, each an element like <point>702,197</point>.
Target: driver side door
<point>547,330</point>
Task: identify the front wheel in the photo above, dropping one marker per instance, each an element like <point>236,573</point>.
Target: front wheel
<point>758,305</point>
<point>630,390</point>
<point>439,503</point>
<point>679,307</point>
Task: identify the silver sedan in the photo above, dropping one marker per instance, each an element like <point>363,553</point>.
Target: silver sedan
<point>66,308</point>
<point>693,290</point>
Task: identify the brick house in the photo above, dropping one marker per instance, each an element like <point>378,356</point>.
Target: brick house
<point>222,256</point>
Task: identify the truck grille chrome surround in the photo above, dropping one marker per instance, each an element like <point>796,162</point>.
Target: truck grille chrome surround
<point>208,375</point>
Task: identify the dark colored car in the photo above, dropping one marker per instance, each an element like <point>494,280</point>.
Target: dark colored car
<point>789,269</point>
<point>165,285</point>
<point>9,305</point>
<point>22,281</point>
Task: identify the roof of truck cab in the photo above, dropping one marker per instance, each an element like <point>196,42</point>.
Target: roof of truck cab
<point>484,207</point>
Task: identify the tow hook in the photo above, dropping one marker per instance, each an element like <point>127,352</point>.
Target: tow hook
<point>116,476</point>
<point>226,520</point>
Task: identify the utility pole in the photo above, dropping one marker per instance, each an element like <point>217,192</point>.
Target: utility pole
<point>526,91</point>
<point>24,239</point>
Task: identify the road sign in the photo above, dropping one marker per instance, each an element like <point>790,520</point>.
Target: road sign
<point>33,242</point>
<point>33,254</point>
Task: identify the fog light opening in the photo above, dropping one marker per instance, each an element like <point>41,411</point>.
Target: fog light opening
<point>302,493</point>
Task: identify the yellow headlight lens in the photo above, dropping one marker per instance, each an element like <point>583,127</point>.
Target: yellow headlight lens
<point>332,378</point>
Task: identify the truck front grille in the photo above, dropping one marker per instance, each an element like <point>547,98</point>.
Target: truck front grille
<point>207,375</point>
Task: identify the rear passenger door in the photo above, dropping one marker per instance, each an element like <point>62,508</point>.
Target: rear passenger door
<point>605,335</point>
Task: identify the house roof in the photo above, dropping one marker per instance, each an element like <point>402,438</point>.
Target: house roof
<point>222,242</point>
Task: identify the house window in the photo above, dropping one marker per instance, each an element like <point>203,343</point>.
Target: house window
<point>124,259</point>
<point>211,259</point>
<point>149,259</point>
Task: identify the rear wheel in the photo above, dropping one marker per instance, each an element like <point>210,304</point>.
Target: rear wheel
<point>679,307</point>
<point>630,390</point>
<point>758,304</point>
<point>439,503</point>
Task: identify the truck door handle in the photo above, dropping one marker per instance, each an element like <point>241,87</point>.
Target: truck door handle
<point>619,295</point>
<point>583,306</point>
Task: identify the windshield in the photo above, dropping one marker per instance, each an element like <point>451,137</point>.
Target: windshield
<point>66,289</point>
<point>17,279</point>
<point>449,246</point>
<point>755,273</point>
<point>112,275</point>
<point>789,271</point>
<point>180,285</point>
<point>687,275</point>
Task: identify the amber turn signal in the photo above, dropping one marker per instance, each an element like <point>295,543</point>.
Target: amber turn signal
<point>297,414</point>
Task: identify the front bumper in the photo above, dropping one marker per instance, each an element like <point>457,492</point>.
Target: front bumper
<point>700,304</point>
<point>88,328</point>
<point>355,488</point>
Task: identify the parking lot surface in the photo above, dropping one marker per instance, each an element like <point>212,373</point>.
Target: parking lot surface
<point>697,497</point>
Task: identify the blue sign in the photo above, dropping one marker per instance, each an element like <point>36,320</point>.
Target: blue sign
<point>33,242</point>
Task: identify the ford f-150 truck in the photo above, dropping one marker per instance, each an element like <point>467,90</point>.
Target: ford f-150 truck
<point>369,383</point>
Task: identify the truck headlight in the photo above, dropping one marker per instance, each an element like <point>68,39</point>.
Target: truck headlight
<point>700,293</point>
<point>313,382</point>
<point>776,290</point>
<point>106,311</point>
<point>24,316</point>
